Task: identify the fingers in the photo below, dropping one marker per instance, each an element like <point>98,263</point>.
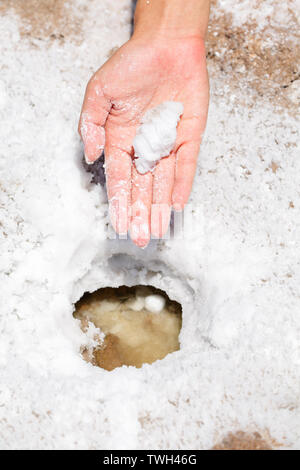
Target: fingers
<point>151,199</point>
<point>188,146</point>
<point>141,199</point>
<point>118,178</point>
<point>163,182</point>
<point>94,113</point>
<point>186,163</point>
<point>118,163</point>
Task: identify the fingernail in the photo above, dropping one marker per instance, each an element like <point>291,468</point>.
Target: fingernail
<point>92,159</point>
<point>177,207</point>
<point>87,161</point>
<point>140,233</point>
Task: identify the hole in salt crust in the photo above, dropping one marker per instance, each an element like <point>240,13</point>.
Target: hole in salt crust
<point>137,325</point>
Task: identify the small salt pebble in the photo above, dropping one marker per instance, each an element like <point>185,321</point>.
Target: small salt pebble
<point>109,305</point>
<point>136,303</point>
<point>155,303</point>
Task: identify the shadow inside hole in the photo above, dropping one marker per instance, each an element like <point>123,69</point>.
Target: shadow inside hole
<point>138,325</point>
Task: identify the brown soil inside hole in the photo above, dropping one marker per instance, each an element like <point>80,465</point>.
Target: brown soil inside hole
<point>108,356</point>
<point>134,335</point>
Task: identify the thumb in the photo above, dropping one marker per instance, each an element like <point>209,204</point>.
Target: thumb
<point>95,110</point>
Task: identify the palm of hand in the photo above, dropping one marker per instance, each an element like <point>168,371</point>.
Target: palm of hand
<point>139,77</point>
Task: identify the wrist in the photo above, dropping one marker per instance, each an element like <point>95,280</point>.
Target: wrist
<point>171,19</point>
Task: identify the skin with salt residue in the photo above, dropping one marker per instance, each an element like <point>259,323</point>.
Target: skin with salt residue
<point>156,136</point>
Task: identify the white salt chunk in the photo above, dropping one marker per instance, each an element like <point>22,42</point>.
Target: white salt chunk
<point>156,136</point>
<point>155,303</point>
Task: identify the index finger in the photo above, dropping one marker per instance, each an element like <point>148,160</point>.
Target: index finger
<point>189,138</point>
<point>94,112</point>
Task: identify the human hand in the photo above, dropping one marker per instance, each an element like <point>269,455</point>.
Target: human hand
<point>139,76</point>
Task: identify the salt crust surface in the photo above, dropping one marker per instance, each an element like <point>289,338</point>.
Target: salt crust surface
<point>237,275</point>
<point>156,136</point>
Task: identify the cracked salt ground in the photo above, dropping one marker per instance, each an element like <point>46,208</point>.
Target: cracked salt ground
<point>235,273</point>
